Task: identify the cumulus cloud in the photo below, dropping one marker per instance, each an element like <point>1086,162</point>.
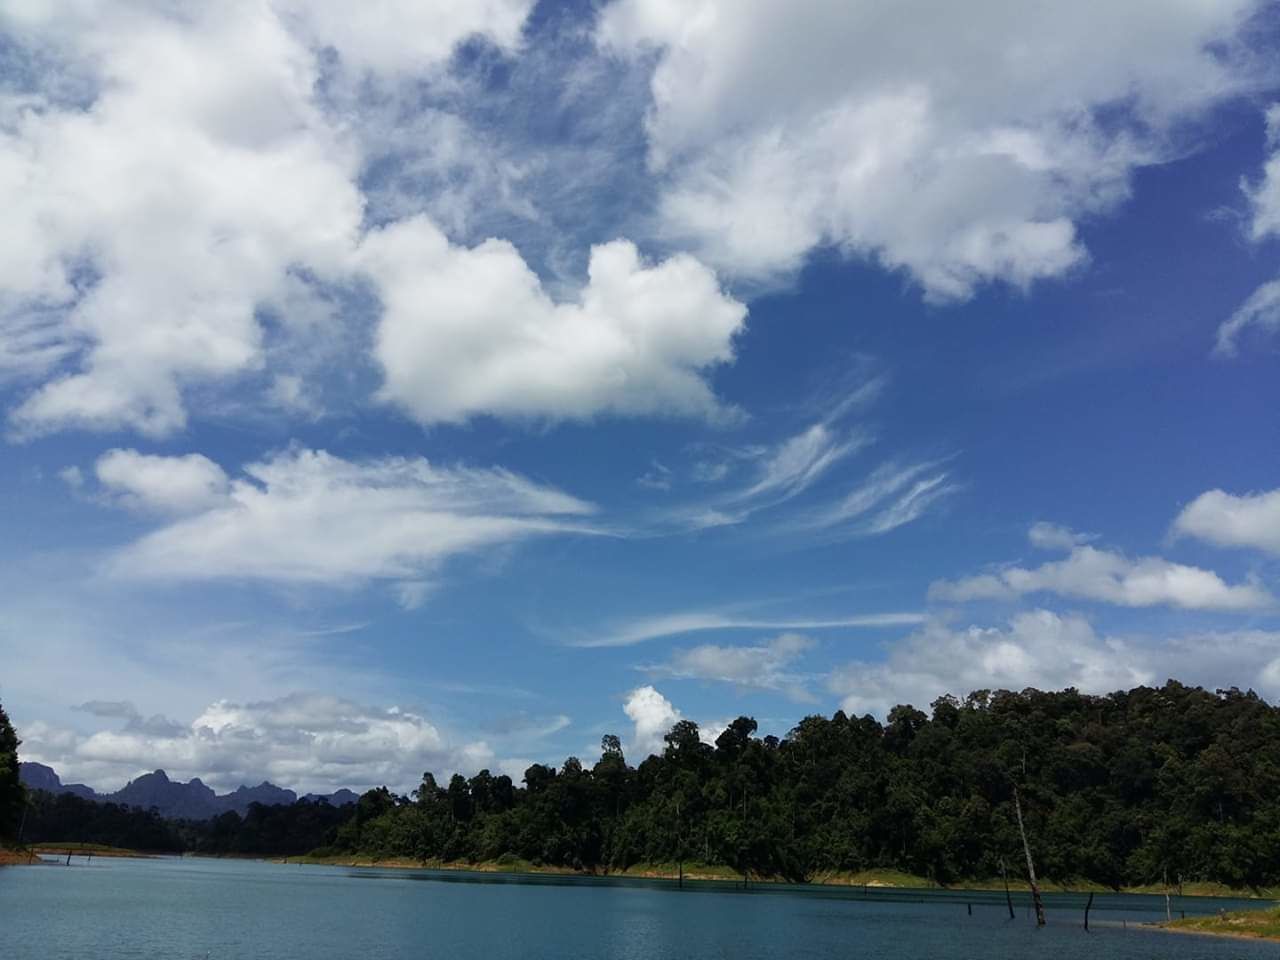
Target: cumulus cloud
<point>165,484</point>
<point>1250,520</point>
<point>1049,651</point>
<point>1092,574</point>
<point>184,188</point>
<point>962,144</point>
<point>765,666</point>
<point>652,715</point>
<point>147,221</point>
<point>471,330</point>
<point>305,741</point>
<point>306,516</point>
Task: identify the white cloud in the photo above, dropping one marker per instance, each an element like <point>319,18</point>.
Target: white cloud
<point>765,665</point>
<point>72,476</point>
<point>1262,309</point>
<point>1251,520</point>
<point>1037,649</point>
<point>696,621</point>
<point>657,477</point>
<point>1090,573</point>
<point>398,37</point>
<point>782,472</point>
<point>467,331</point>
<point>304,741</point>
<point>1051,652</point>
<point>1264,196</point>
<point>892,496</point>
<point>653,715</point>
<point>1053,536</point>
<point>799,461</point>
<point>306,516</point>
<point>961,144</point>
<point>146,225</point>
<point>165,484</point>
<point>179,172</point>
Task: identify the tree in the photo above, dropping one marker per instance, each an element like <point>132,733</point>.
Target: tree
<point>12,793</point>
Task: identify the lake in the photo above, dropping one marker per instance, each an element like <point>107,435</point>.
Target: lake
<point>110,909</point>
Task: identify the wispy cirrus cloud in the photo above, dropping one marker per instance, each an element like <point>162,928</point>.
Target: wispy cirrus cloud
<point>657,627</point>
<point>892,496</point>
<point>1260,313</point>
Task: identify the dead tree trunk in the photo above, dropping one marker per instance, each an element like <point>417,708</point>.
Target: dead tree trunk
<point>1168,911</point>
<point>1031,866</point>
<point>1008,899</point>
<point>1086,911</point>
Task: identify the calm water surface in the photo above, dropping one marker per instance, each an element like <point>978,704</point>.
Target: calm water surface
<point>114,909</point>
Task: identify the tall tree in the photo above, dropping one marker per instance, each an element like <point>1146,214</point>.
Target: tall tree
<point>12,793</point>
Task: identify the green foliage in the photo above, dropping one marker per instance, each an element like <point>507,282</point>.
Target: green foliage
<point>12,793</point>
<point>267,831</point>
<point>1122,790</point>
<point>66,818</point>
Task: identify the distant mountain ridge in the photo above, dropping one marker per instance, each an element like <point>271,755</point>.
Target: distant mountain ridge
<point>174,799</point>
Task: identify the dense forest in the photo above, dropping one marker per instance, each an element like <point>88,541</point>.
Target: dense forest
<point>1125,789</point>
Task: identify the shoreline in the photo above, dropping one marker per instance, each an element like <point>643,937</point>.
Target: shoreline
<point>1237,925</point>
<point>701,873</point>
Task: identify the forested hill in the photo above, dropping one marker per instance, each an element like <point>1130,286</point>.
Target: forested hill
<point>1121,790</point>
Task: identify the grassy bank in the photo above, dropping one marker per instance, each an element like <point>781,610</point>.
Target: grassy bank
<point>694,871</point>
<point>12,858</point>
<point>86,849</point>
<point>1250,924</point>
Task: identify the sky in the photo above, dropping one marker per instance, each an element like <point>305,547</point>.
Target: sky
<point>436,386</point>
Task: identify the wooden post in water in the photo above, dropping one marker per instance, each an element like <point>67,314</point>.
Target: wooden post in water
<point>1007,898</point>
<point>1031,867</point>
<point>68,858</point>
<point>1086,911</point>
<point>1168,913</point>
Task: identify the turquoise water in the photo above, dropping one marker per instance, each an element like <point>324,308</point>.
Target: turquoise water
<point>193,908</point>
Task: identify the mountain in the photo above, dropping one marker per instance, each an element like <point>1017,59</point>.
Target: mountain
<point>39,777</point>
<point>339,798</point>
<point>267,794</point>
<point>174,799</point>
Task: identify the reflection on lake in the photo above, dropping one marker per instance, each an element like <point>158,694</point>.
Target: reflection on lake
<point>180,908</point>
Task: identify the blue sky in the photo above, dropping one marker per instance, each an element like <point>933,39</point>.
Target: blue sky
<point>444,386</point>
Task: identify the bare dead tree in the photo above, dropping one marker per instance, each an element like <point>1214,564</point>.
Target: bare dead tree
<point>1008,899</point>
<point>1031,866</point>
